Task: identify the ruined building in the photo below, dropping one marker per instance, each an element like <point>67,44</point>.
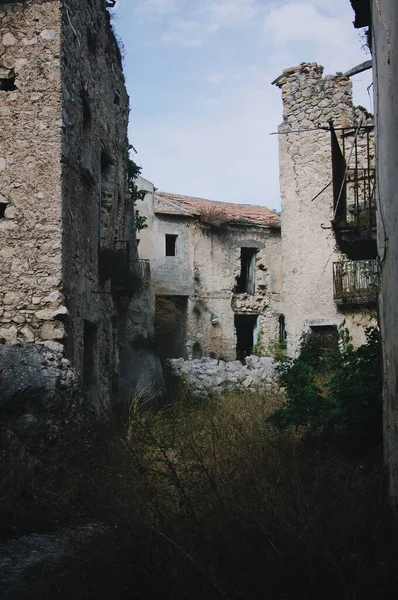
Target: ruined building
<point>381,19</point>
<point>216,271</point>
<point>69,270</point>
<point>326,150</point>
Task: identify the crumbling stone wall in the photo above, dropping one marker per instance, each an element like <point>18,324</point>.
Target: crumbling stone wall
<point>69,269</point>
<point>217,266</point>
<point>310,101</point>
<point>31,301</point>
<point>208,376</point>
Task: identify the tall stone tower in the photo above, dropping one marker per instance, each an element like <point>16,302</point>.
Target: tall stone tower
<point>310,103</point>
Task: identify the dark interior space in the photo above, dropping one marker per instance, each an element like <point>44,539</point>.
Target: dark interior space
<point>171,243</point>
<point>170,326</point>
<point>244,325</point>
<point>90,355</point>
<point>245,282</point>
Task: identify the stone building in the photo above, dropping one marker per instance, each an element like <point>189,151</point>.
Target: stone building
<point>323,288</point>
<point>69,270</point>
<point>216,272</point>
<point>381,19</point>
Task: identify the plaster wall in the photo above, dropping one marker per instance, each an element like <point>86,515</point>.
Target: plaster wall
<point>205,270</point>
<point>217,265</point>
<point>310,101</point>
<point>385,69</point>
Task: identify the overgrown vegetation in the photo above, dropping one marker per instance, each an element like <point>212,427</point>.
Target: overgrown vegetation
<point>333,387</point>
<point>133,172</point>
<point>206,500</point>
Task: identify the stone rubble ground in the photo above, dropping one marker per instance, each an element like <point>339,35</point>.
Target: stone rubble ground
<point>211,376</point>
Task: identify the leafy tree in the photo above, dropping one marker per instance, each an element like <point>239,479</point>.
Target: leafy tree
<point>339,392</point>
<point>133,172</point>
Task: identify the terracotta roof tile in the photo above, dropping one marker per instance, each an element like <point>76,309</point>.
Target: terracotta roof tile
<point>176,204</point>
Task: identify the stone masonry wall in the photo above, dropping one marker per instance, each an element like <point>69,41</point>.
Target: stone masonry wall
<point>31,303</point>
<point>207,376</point>
<point>95,214</point>
<point>217,265</point>
<point>310,101</point>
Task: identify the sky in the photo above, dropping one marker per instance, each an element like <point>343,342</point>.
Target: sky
<point>199,75</point>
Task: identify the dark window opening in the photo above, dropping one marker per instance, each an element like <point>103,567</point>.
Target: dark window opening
<point>116,99</point>
<point>86,113</point>
<point>321,341</point>
<point>245,326</point>
<point>282,330</point>
<point>90,351</point>
<point>171,244</point>
<point>106,198</point>
<point>7,84</point>
<point>170,326</point>
<point>245,282</point>
<point>91,41</point>
<point>3,207</point>
<point>197,351</point>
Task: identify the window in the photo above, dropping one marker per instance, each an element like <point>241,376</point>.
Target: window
<point>245,283</point>
<point>171,243</point>
<point>3,207</point>
<point>282,331</point>
<point>90,350</point>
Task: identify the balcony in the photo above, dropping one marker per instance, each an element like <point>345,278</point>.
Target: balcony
<point>355,282</point>
<point>145,269</point>
<point>354,206</point>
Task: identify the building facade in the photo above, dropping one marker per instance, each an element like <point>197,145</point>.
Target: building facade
<point>216,267</point>
<point>381,19</point>
<point>69,270</point>
<point>322,287</point>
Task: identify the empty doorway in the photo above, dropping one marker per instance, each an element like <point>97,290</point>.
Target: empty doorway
<point>246,327</point>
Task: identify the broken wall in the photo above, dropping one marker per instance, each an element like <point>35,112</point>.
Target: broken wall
<point>217,267</point>
<point>95,110</point>
<point>310,101</point>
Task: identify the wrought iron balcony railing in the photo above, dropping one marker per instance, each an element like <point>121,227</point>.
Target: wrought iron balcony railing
<point>355,282</point>
<point>354,206</point>
<point>145,268</point>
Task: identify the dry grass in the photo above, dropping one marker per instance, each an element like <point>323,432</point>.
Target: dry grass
<point>208,502</point>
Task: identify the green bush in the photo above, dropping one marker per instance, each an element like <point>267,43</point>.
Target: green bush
<point>335,390</point>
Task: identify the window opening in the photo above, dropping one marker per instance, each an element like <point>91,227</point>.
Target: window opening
<point>7,84</point>
<point>105,197</point>
<point>90,350</point>
<point>245,283</point>
<point>246,327</point>
<point>171,244</point>
<point>197,351</point>
<point>323,340</point>
<point>282,330</point>
<point>3,207</point>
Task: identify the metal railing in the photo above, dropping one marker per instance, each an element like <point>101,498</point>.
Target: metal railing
<point>356,281</point>
<point>145,268</point>
<point>354,178</point>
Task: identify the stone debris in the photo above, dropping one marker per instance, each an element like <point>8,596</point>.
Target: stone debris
<point>211,376</point>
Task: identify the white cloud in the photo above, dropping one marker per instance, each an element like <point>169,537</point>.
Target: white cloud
<point>187,32</point>
<point>302,27</point>
<point>157,7</point>
<point>227,155</point>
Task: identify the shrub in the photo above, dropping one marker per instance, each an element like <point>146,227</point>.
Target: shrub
<point>338,392</point>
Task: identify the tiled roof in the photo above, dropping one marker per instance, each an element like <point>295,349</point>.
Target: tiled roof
<point>175,204</point>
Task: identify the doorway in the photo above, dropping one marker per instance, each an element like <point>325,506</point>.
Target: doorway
<point>246,327</point>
